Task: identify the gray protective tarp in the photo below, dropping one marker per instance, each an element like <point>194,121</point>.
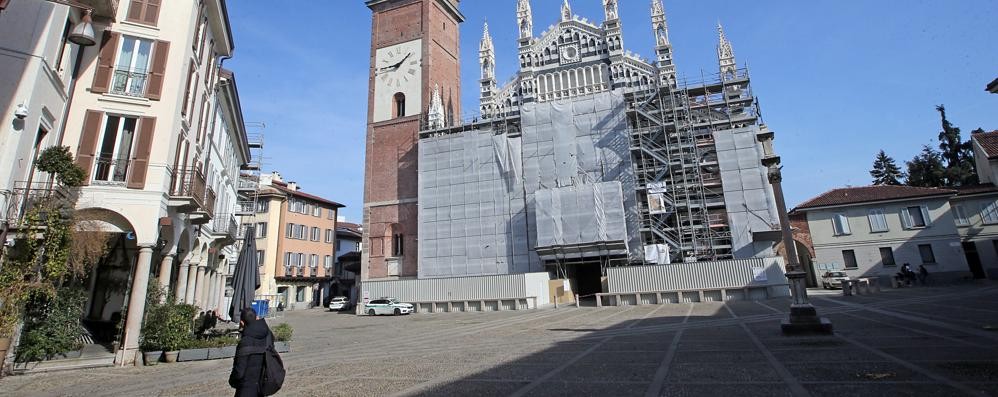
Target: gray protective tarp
<point>581,214</point>
<point>246,278</point>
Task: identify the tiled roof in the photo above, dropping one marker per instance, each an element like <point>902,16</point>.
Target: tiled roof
<point>993,86</point>
<point>976,189</point>
<point>864,194</point>
<point>304,195</point>
<point>989,142</point>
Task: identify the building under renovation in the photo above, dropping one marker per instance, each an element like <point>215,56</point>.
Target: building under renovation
<point>592,157</point>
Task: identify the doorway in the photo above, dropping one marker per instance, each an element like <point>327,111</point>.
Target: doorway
<point>973,259</point>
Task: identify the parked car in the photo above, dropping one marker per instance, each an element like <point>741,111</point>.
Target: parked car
<point>833,279</point>
<point>339,303</point>
<point>387,306</point>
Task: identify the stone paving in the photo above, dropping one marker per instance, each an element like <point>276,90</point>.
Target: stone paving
<point>930,341</point>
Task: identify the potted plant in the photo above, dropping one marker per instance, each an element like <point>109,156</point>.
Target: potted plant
<point>282,333</point>
<point>222,347</point>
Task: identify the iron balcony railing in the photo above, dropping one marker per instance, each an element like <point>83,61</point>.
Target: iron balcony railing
<point>110,170</point>
<point>189,183</point>
<point>129,82</point>
<point>22,198</point>
<point>209,201</point>
<point>225,224</point>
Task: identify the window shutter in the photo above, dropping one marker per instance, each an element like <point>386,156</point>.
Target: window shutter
<point>151,14</point>
<point>88,143</point>
<point>925,215</point>
<point>135,8</point>
<point>140,156</point>
<point>906,218</point>
<point>160,54</point>
<point>105,63</point>
<point>842,218</point>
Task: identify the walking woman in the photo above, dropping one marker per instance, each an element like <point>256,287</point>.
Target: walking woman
<point>248,364</point>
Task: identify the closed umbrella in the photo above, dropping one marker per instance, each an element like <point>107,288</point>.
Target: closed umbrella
<point>246,278</point>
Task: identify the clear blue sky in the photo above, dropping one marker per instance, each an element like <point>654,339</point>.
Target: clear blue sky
<point>837,80</point>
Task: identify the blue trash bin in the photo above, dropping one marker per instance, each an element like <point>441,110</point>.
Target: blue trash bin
<point>264,307</point>
<point>257,307</point>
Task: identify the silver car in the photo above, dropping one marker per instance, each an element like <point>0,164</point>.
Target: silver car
<point>833,279</point>
<point>387,306</point>
<point>339,303</point>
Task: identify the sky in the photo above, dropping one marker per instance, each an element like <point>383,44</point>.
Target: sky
<point>837,80</point>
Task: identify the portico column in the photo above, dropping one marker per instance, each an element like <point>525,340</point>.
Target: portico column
<point>165,271</point>
<point>191,283</point>
<point>198,286</point>
<point>214,290</point>
<point>137,304</point>
<point>220,300</point>
<point>182,274</point>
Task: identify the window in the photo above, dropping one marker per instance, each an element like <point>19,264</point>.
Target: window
<point>288,259</point>
<point>63,46</point>
<point>339,245</point>
<point>313,261</point>
<point>989,213</point>
<point>841,225</point>
<point>260,256</point>
<point>300,294</point>
<point>878,222</point>
<point>915,217</point>
<point>301,260</point>
<point>331,214</point>
<point>849,257</point>
<point>261,229</point>
<point>327,262</point>
<point>132,68</point>
<point>399,104</point>
<point>960,216</point>
<point>317,211</point>
<point>115,149</point>
<point>315,234</point>
<point>329,236</point>
<point>927,255</point>
<point>887,256</point>
<point>307,209</point>
<point>143,11</point>
<point>290,230</point>
<point>262,206</point>
<point>397,245</point>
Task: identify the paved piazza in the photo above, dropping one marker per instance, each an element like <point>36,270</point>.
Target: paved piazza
<point>935,341</point>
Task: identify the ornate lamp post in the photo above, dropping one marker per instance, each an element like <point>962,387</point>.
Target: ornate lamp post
<point>803,316</point>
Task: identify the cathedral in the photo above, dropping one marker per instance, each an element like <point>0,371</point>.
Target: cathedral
<point>590,157</point>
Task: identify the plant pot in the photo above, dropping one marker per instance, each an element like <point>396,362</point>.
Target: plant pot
<point>282,347</point>
<point>151,358</point>
<point>193,355</point>
<point>216,353</point>
<point>170,357</point>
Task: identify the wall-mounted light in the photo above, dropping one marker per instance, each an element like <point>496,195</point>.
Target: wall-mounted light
<point>83,33</point>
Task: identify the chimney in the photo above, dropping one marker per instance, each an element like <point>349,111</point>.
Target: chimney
<point>293,186</point>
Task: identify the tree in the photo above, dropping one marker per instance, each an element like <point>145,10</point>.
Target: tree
<point>885,171</point>
<point>926,169</point>
<point>957,154</point>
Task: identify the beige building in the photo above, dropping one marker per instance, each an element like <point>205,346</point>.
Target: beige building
<point>296,244</point>
<point>156,125</point>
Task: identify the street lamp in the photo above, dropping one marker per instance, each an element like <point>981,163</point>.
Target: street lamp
<point>83,33</point>
<point>803,316</point>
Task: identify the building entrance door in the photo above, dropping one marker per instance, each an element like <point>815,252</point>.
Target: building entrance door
<point>973,259</point>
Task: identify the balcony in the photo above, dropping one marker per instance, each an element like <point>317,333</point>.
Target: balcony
<point>102,8</point>
<point>23,198</point>
<point>188,191</point>
<point>129,83</point>
<point>209,202</point>
<point>110,171</point>
<point>224,227</point>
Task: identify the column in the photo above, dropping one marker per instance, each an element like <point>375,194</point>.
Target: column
<point>182,275</point>
<point>165,271</point>
<point>213,298</point>
<point>198,289</point>
<point>137,304</point>
<point>221,295</point>
<point>191,283</point>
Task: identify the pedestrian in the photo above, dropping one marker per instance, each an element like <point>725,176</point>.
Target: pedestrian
<point>248,364</point>
<point>923,274</point>
<point>909,275</point>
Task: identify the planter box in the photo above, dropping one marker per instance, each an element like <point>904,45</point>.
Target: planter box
<point>152,358</point>
<point>217,353</point>
<point>282,347</point>
<point>193,355</point>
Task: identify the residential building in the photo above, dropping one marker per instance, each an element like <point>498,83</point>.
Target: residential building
<point>296,242</point>
<point>155,123</point>
<point>589,157</point>
<point>348,255</point>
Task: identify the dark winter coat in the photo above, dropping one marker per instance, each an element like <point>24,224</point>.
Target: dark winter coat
<point>248,364</point>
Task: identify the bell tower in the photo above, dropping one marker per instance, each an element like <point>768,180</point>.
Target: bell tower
<point>414,48</point>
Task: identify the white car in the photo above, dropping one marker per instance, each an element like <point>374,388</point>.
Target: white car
<point>833,279</point>
<point>387,306</point>
<point>339,303</point>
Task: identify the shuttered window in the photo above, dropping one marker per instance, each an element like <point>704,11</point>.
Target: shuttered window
<point>87,148</point>
<point>105,63</point>
<point>878,221</point>
<point>143,11</point>
<point>915,217</point>
<point>960,216</point>
<point>840,224</point>
<point>989,213</point>
<point>140,155</point>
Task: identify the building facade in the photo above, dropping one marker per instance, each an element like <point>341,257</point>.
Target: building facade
<point>155,123</point>
<point>296,244</point>
<point>589,157</point>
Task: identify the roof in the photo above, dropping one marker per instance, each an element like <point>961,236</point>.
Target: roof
<point>348,229</point>
<point>988,142</point>
<point>993,86</point>
<point>866,194</point>
<point>304,195</point>
<point>976,189</point>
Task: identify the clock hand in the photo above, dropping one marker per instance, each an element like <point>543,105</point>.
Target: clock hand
<point>399,64</point>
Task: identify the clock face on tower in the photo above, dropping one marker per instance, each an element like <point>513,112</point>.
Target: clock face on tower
<point>398,75</point>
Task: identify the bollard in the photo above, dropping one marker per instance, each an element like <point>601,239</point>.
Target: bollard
<point>576,300</point>
<point>846,287</point>
<point>556,301</point>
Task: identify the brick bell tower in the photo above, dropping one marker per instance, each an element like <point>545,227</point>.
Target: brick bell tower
<point>414,48</point>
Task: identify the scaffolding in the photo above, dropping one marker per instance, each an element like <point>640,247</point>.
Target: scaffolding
<point>248,185</point>
<point>679,186</point>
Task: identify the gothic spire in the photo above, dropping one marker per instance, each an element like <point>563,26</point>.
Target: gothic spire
<point>487,54</point>
<point>725,54</point>
<point>436,116</point>
<point>610,10</point>
<point>566,12</point>
<point>525,19</point>
<point>663,48</point>
<point>486,44</point>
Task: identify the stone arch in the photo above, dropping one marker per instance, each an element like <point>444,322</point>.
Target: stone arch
<point>107,220</point>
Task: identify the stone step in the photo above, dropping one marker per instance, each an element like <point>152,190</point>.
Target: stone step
<point>64,364</point>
